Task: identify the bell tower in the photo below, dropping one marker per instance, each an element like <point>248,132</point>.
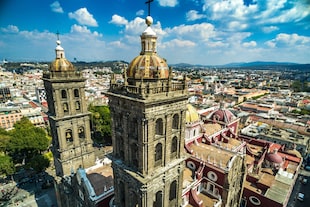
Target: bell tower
<point>68,116</point>
<point>148,117</point>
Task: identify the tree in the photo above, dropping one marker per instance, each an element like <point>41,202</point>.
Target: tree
<point>39,163</point>
<point>4,140</point>
<point>27,140</point>
<point>6,165</point>
<point>101,123</point>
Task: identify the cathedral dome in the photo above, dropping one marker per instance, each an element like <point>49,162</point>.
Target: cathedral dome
<point>191,114</point>
<point>222,115</point>
<point>148,64</point>
<point>60,63</point>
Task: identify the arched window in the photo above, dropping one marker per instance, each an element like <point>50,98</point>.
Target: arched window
<point>174,146</point>
<point>175,121</point>
<point>69,137</point>
<point>159,127</point>
<point>158,154</point>
<point>158,199</point>
<point>65,107</point>
<point>63,94</point>
<point>77,105</point>
<point>173,191</point>
<point>81,132</point>
<point>76,93</point>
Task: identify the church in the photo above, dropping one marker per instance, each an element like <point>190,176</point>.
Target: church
<point>164,153</point>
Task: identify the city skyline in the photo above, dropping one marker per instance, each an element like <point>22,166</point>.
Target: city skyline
<point>209,32</point>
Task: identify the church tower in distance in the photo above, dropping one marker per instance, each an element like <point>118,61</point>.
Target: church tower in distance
<point>148,117</point>
<point>68,116</point>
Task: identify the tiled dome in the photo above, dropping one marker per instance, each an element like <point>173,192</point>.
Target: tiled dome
<point>191,114</point>
<point>222,115</point>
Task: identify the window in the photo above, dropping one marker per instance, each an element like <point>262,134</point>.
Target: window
<point>63,94</point>
<point>174,146</point>
<point>175,121</point>
<point>77,105</point>
<point>159,127</point>
<point>158,154</point>
<point>81,132</point>
<point>65,107</point>
<point>134,155</point>
<point>173,191</point>
<point>158,199</point>
<point>69,137</point>
<point>212,176</point>
<point>254,200</point>
<point>76,93</point>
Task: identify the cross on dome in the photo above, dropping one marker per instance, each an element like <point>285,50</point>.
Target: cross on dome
<point>149,6</point>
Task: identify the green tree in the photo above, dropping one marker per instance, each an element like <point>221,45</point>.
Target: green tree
<point>6,165</point>
<point>39,163</point>
<point>101,123</point>
<point>4,140</point>
<point>27,140</point>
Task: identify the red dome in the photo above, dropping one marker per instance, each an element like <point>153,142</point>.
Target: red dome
<point>274,157</point>
<point>222,115</point>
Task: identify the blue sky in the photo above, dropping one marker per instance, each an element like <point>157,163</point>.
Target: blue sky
<point>210,32</point>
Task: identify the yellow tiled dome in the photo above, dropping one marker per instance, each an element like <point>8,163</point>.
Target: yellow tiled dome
<point>61,64</point>
<point>191,114</point>
<point>148,66</point>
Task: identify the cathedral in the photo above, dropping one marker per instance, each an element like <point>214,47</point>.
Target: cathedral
<point>165,152</point>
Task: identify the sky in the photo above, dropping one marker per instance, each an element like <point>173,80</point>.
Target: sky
<point>208,32</point>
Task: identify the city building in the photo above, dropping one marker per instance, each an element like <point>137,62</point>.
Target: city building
<point>148,115</point>
<point>69,122</point>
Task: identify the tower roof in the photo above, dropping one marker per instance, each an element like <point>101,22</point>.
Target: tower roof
<point>191,114</point>
<point>148,65</point>
<point>60,63</point>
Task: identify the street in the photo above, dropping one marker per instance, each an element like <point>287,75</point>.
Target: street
<point>303,188</point>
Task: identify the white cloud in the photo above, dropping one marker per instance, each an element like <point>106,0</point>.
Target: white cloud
<point>140,12</point>
<point>236,26</point>
<point>168,3</point>
<point>82,16</point>
<point>270,29</point>
<point>193,15</point>
<point>178,43</point>
<point>10,29</point>
<point>118,20</point>
<point>55,6</point>
<point>249,44</point>
<point>289,40</point>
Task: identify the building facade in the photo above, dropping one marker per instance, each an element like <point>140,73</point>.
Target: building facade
<point>148,117</point>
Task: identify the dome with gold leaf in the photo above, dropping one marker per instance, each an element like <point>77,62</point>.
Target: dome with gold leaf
<point>191,114</point>
<point>148,65</point>
<point>60,63</point>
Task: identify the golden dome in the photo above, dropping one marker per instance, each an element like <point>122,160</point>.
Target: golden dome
<point>191,114</point>
<point>61,64</point>
<point>148,66</point>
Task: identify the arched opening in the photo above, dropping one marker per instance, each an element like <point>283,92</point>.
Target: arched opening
<point>69,137</point>
<point>175,121</point>
<point>122,198</point>
<point>63,94</point>
<point>134,155</point>
<point>77,105</point>
<point>158,154</point>
<point>173,191</point>
<point>158,199</point>
<point>174,146</point>
<point>65,107</point>
<point>159,127</point>
<point>81,132</point>
<point>76,93</point>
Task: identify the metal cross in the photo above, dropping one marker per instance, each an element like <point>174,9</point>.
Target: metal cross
<point>149,6</point>
<point>57,33</point>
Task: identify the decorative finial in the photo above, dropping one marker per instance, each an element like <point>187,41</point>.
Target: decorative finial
<point>58,41</point>
<point>149,6</point>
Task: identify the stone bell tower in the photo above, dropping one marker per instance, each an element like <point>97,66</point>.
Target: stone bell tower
<point>68,116</point>
<point>148,118</point>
